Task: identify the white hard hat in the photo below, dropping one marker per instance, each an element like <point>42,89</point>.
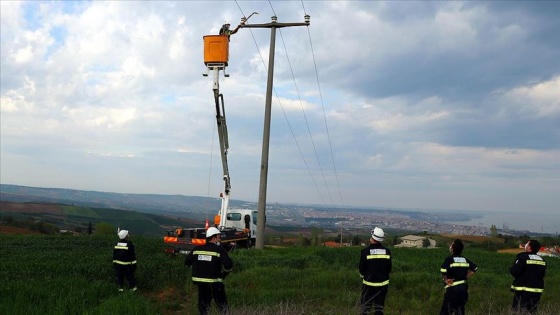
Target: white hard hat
<point>212,231</point>
<point>123,234</point>
<point>377,234</point>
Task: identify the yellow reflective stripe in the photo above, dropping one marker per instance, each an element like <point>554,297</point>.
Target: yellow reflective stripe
<point>459,265</point>
<point>536,262</point>
<point>207,280</point>
<point>375,284</point>
<point>527,289</point>
<point>443,270</point>
<point>203,252</point>
<point>124,262</point>
<point>455,283</point>
<point>378,256</point>
<point>121,247</point>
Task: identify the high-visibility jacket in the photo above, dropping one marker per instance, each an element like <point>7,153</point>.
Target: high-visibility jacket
<point>457,267</point>
<point>529,270</point>
<point>375,265</point>
<point>124,253</point>
<point>210,263</point>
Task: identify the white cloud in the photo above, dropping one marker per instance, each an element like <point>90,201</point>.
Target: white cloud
<point>15,100</point>
<point>106,117</point>
<point>297,105</point>
<point>537,100</point>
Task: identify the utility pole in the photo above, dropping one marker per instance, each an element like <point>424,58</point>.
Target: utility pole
<point>261,211</point>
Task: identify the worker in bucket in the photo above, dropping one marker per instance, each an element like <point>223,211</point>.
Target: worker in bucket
<point>528,271</point>
<point>224,30</point>
<point>455,271</point>
<point>210,265</point>
<point>375,266</point>
<point>124,261</point>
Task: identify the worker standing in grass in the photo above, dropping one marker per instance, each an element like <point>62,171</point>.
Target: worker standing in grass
<point>210,265</point>
<point>124,261</point>
<point>375,266</point>
<point>455,270</point>
<point>528,285</point>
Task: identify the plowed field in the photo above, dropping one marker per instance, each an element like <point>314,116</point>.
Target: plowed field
<point>4,229</point>
<point>7,206</point>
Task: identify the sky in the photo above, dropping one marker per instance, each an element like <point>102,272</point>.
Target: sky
<point>398,104</point>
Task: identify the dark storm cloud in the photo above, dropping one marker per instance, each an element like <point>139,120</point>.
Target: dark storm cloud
<point>510,46</point>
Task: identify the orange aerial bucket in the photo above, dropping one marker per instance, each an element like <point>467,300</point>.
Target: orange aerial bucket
<point>216,49</point>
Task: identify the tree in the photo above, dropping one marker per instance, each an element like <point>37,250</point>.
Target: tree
<point>547,241</point>
<point>510,241</point>
<point>44,228</point>
<point>425,242</point>
<point>356,240</point>
<point>269,240</point>
<point>89,229</point>
<point>303,241</point>
<point>9,220</point>
<point>493,230</point>
<point>316,233</point>
<point>524,238</point>
<point>338,239</point>
<point>104,228</point>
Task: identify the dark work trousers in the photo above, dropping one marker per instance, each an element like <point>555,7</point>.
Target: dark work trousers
<point>373,297</point>
<point>524,302</point>
<point>454,300</point>
<point>207,291</point>
<point>125,271</point>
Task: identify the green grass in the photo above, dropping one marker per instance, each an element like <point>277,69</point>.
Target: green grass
<point>74,275</point>
<point>80,212</point>
<point>115,214</point>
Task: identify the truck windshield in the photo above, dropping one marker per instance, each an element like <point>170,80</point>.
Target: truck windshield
<point>234,216</point>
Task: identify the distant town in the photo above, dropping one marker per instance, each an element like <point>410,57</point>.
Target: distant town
<point>349,219</point>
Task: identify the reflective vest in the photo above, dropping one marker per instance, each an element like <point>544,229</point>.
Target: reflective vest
<point>375,265</point>
<point>529,270</point>
<point>124,253</point>
<point>457,268</point>
<point>210,263</point>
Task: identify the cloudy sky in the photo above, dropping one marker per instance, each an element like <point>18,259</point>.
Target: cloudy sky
<point>400,104</point>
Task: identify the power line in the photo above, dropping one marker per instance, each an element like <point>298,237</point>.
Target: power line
<point>305,118</point>
<point>324,114</point>
<point>326,124</point>
<point>284,112</point>
<point>304,115</point>
<point>306,123</point>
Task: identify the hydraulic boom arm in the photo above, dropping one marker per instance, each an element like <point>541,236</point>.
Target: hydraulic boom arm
<point>224,143</point>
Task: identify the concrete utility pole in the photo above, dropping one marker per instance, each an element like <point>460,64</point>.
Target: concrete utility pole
<point>266,130</point>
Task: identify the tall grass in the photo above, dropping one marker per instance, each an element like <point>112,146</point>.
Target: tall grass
<point>74,275</point>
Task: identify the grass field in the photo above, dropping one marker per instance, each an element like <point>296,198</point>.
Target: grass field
<point>74,275</point>
<point>80,212</point>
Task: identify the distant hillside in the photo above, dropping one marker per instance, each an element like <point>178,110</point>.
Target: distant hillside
<point>178,205</point>
<point>73,217</point>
